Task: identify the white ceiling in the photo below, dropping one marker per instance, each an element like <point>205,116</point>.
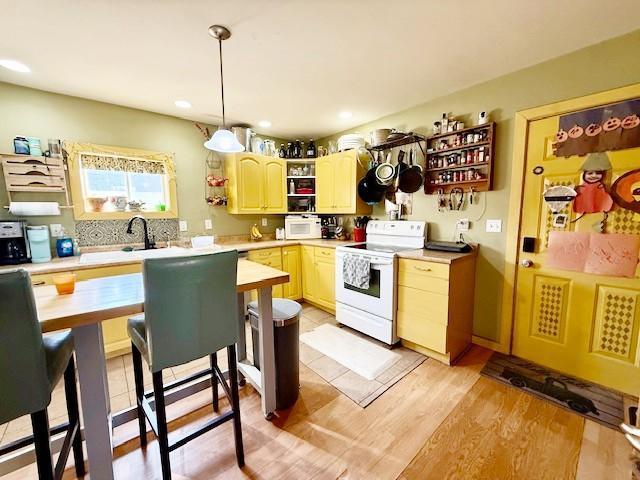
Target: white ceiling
<point>297,63</point>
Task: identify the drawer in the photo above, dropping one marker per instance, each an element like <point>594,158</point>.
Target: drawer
<point>428,276</point>
<point>422,332</point>
<point>271,262</point>
<point>326,254</point>
<point>424,305</point>
<point>263,254</point>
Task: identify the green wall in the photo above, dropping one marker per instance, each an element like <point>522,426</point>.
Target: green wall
<point>604,66</point>
<point>29,112</point>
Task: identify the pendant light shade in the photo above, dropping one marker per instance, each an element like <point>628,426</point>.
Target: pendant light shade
<point>222,140</point>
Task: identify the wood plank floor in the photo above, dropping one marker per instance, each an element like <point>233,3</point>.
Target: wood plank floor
<point>436,423</point>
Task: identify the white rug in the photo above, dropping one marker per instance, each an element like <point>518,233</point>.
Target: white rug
<point>357,354</point>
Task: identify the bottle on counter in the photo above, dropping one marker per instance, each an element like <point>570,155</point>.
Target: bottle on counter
<point>76,247</point>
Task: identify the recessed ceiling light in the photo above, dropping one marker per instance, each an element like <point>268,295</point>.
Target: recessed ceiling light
<point>14,65</point>
<point>345,115</point>
<point>182,104</point>
<point>264,123</point>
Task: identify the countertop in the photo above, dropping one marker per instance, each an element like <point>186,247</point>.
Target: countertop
<point>73,263</point>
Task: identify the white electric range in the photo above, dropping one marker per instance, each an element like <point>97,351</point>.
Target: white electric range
<point>372,311</point>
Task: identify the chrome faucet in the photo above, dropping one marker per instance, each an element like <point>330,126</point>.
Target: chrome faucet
<point>148,243</point>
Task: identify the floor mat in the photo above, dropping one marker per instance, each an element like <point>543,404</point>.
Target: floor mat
<point>585,398</point>
<point>395,363</point>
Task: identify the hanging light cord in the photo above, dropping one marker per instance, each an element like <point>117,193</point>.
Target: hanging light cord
<point>224,124</point>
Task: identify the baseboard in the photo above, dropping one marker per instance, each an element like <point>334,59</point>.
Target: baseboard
<point>490,344</point>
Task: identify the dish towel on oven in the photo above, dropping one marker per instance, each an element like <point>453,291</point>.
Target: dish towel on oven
<point>356,271</point>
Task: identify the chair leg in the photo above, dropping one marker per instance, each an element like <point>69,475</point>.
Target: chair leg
<point>235,403</point>
<point>42,442</point>
<point>71,395</point>
<point>161,418</point>
<point>136,359</point>
<point>214,380</point>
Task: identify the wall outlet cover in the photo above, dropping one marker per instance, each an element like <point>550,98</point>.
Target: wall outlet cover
<point>183,226</point>
<point>208,225</point>
<point>56,229</point>
<point>264,222</point>
<point>494,225</point>
<point>462,225</point>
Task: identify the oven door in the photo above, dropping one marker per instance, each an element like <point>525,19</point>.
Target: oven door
<point>379,298</point>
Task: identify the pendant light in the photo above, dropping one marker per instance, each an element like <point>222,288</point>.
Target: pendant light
<point>222,140</point>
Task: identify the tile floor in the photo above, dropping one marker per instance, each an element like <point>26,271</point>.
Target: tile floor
<point>121,383</point>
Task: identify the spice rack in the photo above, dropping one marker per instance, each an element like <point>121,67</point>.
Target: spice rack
<point>301,198</point>
<point>462,159</point>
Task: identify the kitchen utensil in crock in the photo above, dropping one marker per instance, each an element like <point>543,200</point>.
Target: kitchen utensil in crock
<point>411,178</point>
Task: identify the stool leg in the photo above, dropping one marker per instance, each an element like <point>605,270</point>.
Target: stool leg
<point>161,418</point>
<point>136,359</point>
<point>235,404</point>
<point>214,380</point>
<point>71,395</point>
<point>42,441</point>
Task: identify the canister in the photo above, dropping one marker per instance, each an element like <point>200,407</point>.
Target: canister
<point>38,236</point>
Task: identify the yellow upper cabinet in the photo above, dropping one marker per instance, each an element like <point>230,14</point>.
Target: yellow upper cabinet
<point>257,184</point>
<point>337,178</point>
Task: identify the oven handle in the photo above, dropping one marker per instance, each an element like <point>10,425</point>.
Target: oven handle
<point>385,262</point>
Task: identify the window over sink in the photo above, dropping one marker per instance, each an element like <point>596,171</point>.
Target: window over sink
<point>114,183</point>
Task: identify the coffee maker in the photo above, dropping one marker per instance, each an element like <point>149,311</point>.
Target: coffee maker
<point>14,247</point>
<point>328,226</point>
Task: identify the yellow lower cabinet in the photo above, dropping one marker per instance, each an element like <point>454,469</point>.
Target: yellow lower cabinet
<point>325,278</point>
<point>291,264</point>
<point>435,306</point>
<point>114,331</point>
<point>272,257</point>
<point>308,272</point>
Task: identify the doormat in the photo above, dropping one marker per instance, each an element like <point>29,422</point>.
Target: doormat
<point>592,401</point>
<point>356,386</point>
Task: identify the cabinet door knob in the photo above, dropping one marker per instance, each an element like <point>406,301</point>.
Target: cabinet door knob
<point>526,263</point>
<point>423,269</point>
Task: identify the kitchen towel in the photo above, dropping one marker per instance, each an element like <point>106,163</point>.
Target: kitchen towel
<point>29,209</point>
<point>356,271</point>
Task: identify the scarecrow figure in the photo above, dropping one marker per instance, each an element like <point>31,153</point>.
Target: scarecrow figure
<point>592,195</point>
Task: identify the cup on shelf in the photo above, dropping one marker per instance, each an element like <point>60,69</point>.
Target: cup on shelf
<point>65,283</point>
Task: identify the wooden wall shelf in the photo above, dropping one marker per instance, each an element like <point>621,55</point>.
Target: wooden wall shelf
<point>434,175</point>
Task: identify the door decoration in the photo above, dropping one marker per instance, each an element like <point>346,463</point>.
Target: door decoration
<point>612,127</point>
<point>592,195</point>
<point>558,198</point>
<point>613,254</point>
<point>626,192</point>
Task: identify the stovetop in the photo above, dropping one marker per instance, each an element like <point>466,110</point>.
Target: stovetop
<point>377,248</point>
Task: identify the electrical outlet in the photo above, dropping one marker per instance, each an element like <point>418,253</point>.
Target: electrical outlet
<point>208,225</point>
<point>264,222</point>
<point>56,229</point>
<point>494,226</point>
<point>462,225</point>
<point>183,226</point>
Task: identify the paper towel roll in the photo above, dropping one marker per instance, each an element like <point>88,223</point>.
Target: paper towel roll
<point>27,209</point>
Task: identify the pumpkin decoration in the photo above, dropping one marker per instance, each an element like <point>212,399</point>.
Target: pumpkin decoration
<point>626,192</point>
<point>561,136</point>
<point>630,121</point>
<point>576,131</point>
<point>611,124</point>
<point>593,129</point>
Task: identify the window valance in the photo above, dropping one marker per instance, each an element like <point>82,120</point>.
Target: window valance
<point>121,164</point>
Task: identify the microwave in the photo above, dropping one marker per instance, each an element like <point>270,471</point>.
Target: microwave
<point>302,226</point>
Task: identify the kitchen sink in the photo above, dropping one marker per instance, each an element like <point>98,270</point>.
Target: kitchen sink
<point>133,255</point>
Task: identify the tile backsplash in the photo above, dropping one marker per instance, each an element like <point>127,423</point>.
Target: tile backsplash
<point>92,233</point>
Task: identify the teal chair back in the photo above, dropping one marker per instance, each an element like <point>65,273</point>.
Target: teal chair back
<point>190,307</point>
<point>24,385</point>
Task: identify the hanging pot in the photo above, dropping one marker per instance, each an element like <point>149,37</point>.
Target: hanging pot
<point>411,178</point>
<point>385,173</point>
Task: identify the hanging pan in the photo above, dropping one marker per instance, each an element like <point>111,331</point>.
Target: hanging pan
<point>410,180</point>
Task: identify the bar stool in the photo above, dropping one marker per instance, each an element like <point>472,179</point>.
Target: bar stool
<point>190,311</point>
<point>31,365</point>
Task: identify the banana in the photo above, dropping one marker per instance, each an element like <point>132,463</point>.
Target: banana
<point>255,232</point>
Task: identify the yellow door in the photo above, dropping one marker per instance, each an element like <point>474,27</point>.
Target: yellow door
<point>580,324</point>
<point>325,281</point>
<point>250,196</point>
<point>308,272</point>
<point>344,186</point>
<point>325,184</point>
<point>291,265</point>
<point>275,185</point>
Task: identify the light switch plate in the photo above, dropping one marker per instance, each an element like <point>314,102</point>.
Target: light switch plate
<point>494,225</point>
<point>462,225</point>
<point>208,225</point>
<point>56,229</point>
<point>264,222</point>
<point>183,226</point>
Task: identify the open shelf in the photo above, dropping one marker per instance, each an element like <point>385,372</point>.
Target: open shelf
<point>301,176</point>
<point>301,194</point>
<point>458,167</point>
<point>468,146</point>
<point>406,140</point>
<point>458,132</point>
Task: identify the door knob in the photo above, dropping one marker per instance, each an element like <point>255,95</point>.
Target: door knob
<point>526,263</point>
